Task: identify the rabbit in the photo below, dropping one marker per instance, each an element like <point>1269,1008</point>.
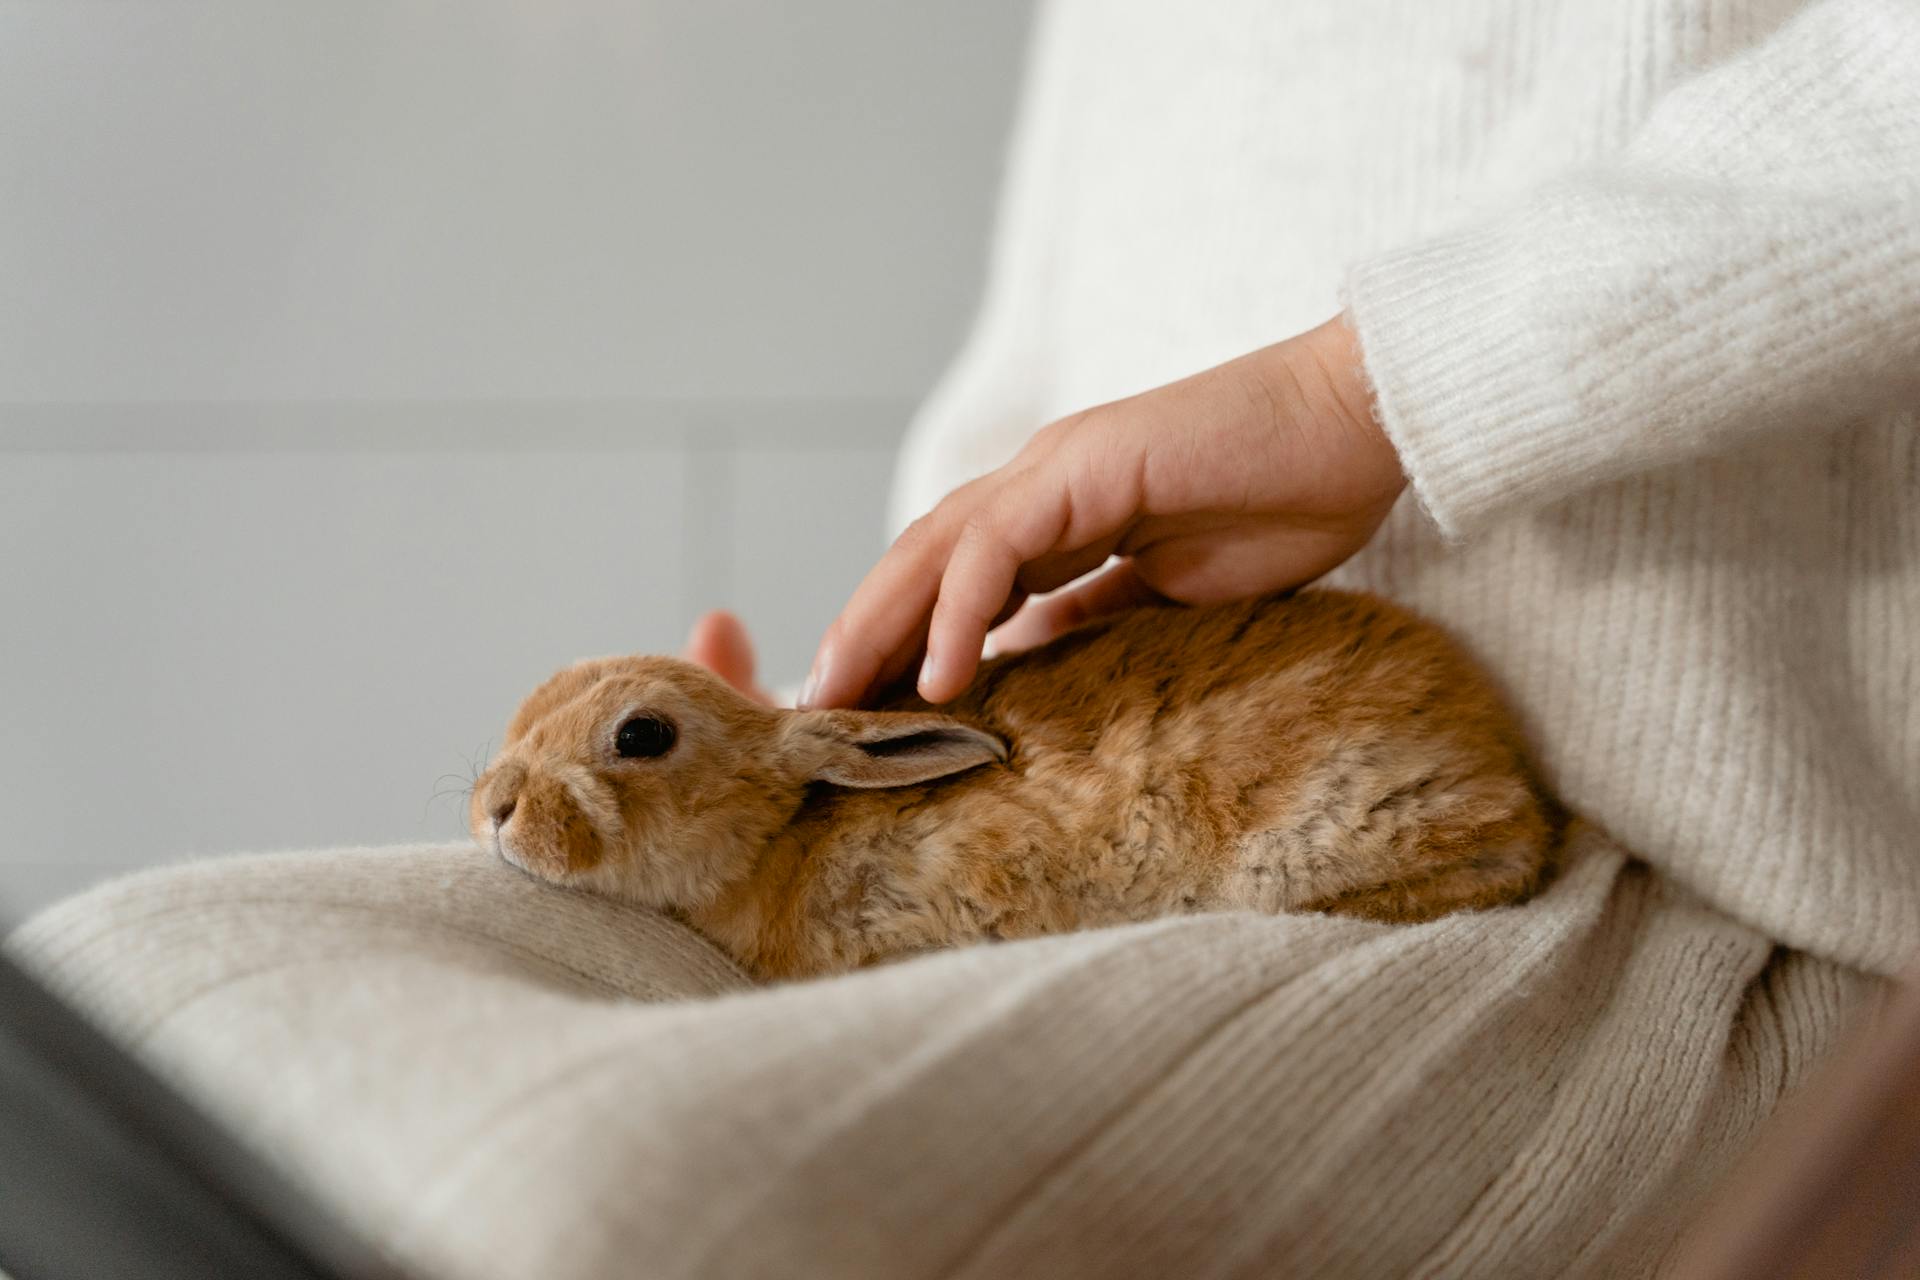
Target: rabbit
<point>1320,751</point>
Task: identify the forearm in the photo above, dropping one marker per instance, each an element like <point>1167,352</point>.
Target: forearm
<point>1751,263</point>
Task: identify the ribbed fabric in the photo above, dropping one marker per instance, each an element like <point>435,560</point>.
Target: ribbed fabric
<point>1638,289</point>
<point>493,1079</point>
<point>1635,283</point>
<point>1749,266</point>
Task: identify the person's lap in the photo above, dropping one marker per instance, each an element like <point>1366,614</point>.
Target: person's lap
<point>495,1078</point>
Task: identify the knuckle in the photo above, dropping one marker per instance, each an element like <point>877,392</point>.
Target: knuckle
<point>918,533</point>
<point>1063,429</point>
<point>983,534</point>
<point>1050,440</point>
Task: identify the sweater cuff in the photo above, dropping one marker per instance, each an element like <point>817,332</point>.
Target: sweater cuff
<point>1466,378</point>
<point>1612,325</point>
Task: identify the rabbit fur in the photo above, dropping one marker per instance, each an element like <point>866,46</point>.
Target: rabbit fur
<point>1320,751</point>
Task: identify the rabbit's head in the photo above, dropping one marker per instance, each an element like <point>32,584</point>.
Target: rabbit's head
<point>652,780</point>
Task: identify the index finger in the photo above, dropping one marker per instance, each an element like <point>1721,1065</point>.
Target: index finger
<point>879,633</point>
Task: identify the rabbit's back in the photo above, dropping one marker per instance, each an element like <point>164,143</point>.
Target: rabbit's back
<point>1320,751</point>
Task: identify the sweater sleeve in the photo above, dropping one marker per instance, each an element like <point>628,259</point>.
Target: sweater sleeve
<point>1751,261</point>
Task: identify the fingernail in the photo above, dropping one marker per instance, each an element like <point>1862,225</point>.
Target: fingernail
<point>815,678</point>
<point>929,672</point>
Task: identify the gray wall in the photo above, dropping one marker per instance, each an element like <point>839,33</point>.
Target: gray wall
<point>360,363</point>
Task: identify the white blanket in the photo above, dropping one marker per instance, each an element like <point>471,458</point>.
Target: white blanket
<point>496,1079</point>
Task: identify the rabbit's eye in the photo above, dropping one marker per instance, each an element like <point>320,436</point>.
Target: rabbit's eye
<point>644,736</point>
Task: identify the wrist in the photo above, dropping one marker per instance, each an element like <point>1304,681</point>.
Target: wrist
<point>1332,366</point>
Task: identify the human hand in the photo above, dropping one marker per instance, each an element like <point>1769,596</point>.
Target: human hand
<point>719,643</point>
<point>1256,475</point>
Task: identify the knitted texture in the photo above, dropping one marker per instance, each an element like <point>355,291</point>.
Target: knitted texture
<point>492,1079</point>
<point>1635,283</point>
<point>1638,288</point>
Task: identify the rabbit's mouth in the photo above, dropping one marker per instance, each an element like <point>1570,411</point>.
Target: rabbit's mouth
<point>559,856</point>
<point>553,822</point>
<point>557,847</point>
<point>541,864</point>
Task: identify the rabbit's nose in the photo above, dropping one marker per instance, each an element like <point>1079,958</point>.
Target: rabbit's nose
<point>503,811</point>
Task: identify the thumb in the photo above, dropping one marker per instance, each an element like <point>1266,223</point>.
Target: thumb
<point>1111,590</point>
<point>719,643</point>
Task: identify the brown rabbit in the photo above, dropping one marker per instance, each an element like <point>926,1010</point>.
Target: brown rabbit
<point>1316,752</point>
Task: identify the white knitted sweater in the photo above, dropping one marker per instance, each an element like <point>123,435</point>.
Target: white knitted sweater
<point>1650,386</point>
<point>1638,287</point>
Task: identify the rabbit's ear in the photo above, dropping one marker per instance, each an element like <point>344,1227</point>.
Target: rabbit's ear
<point>895,749</point>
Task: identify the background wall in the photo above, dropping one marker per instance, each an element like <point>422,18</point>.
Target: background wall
<point>361,363</point>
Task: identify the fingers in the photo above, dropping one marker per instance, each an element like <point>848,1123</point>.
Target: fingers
<point>1025,521</point>
<point>880,631</point>
<point>720,643</point>
<point>1258,474</point>
<point>1112,590</point>
<point>883,630</point>
<point>967,565</point>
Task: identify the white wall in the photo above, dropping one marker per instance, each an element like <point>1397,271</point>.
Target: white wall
<point>362,362</point>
